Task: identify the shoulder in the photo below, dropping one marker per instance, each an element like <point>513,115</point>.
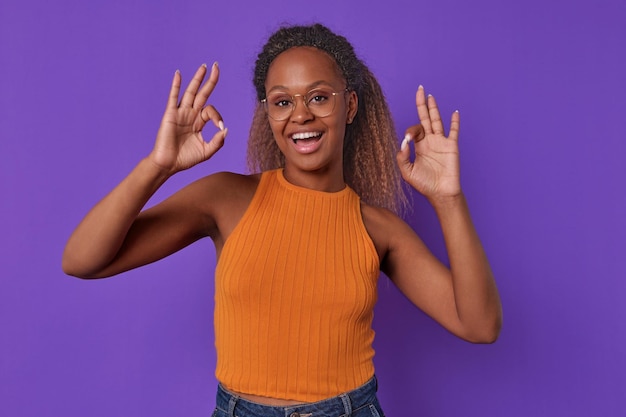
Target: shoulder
<point>220,188</point>
<point>226,179</point>
<point>214,201</point>
<point>225,197</point>
<point>400,249</point>
<point>223,191</point>
<point>227,184</point>
<point>384,228</point>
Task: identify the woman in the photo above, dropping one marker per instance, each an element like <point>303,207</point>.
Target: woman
<point>300,244</point>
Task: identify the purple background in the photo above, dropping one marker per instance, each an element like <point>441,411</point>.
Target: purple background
<point>541,88</point>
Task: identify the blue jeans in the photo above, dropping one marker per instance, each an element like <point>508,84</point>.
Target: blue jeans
<point>361,402</point>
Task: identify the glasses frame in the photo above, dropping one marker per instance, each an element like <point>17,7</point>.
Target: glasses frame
<point>303,96</point>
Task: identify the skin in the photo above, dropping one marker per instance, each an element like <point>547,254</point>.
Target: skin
<point>462,298</point>
<point>297,71</point>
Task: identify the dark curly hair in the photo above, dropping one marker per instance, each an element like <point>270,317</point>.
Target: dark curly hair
<point>370,142</point>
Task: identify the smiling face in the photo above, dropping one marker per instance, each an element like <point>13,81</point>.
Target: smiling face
<point>312,145</point>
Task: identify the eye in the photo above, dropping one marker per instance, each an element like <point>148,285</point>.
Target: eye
<point>318,97</point>
<point>280,100</point>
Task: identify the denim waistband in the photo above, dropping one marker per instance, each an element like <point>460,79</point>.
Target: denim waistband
<point>346,403</point>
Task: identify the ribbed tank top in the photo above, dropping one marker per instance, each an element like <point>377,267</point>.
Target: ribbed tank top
<point>295,288</point>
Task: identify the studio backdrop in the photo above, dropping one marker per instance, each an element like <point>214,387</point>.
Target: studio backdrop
<point>541,91</point>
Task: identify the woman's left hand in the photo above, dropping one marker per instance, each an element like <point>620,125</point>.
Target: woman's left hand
<point>435,171</point>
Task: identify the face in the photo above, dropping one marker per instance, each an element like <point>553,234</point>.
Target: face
<point>309,142</point>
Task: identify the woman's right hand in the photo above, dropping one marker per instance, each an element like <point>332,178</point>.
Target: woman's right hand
<point>179,143</point>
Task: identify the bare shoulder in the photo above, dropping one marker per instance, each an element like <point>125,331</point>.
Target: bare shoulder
<point>207,205</point>
<point>224,196</point>
<point>384,227</point>
<point>221,187</point>
<point>228,184</point>
<point>398,245</point>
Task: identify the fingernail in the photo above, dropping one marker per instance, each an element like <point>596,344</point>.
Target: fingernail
<point>204,65</point>
<point>405,141</point>
<point>225,132</point>
<point>421,87</point>
<point>221,125</point>
<point>215,64</point>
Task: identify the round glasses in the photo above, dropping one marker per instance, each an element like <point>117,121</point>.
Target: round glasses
<point>320,102</point>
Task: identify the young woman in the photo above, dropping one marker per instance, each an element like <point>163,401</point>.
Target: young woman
<point>300,244</point>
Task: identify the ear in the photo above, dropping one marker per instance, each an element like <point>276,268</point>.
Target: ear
<point>353,106</point>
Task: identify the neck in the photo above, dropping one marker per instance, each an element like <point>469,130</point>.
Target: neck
<point>325,179</point>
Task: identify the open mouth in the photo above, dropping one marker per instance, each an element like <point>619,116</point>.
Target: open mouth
<point>305,137</point>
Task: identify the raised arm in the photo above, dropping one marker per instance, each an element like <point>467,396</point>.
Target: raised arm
<point>115,235</point>
<point>463,298</point>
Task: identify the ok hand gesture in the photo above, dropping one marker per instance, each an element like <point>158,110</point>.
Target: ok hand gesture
<point>435,170</point>
<point>179,143</point>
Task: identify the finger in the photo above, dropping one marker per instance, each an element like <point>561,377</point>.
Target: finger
<point>455,124</point>
<point>207,88</point>
<point>215,144</point>
<point>414,133</point>
<point>403,158</point>
<point>422,109</point>
<point>435,117</point>
<point>210,113</point>
<point>192,88</point>
<point>172,100</point>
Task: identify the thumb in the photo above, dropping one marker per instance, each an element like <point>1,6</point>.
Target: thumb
<point>403,157</point>
<point>215,144</point>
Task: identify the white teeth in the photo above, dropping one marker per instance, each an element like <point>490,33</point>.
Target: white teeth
<point>305,135</point>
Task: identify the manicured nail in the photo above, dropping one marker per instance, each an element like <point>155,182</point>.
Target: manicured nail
<point>203,65</point>
<point>215,64</point>
<point>405,141</point>
<point>421,87</point>
<point>225,132</point>
<point>221,125</point>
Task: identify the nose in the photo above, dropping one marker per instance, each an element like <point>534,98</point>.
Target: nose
<point>301,112</point>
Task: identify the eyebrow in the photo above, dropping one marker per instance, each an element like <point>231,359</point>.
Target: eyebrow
<point>309,87</point>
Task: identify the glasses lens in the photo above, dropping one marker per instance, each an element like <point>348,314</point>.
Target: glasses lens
<point>279,106</point>
<point>320,102</point>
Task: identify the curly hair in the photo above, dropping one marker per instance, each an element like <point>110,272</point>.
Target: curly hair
<point>370,141</point>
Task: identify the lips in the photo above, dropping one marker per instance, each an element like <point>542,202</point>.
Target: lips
<point>305,136</point>
<point>306,142</point>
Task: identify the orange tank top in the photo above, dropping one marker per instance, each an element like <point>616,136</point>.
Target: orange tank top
<point>295,288</point>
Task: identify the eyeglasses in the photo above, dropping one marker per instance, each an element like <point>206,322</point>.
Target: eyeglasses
<point>320,102</point>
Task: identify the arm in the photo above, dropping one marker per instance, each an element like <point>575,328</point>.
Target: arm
<point>464,298</point>
<point>115,235</point>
